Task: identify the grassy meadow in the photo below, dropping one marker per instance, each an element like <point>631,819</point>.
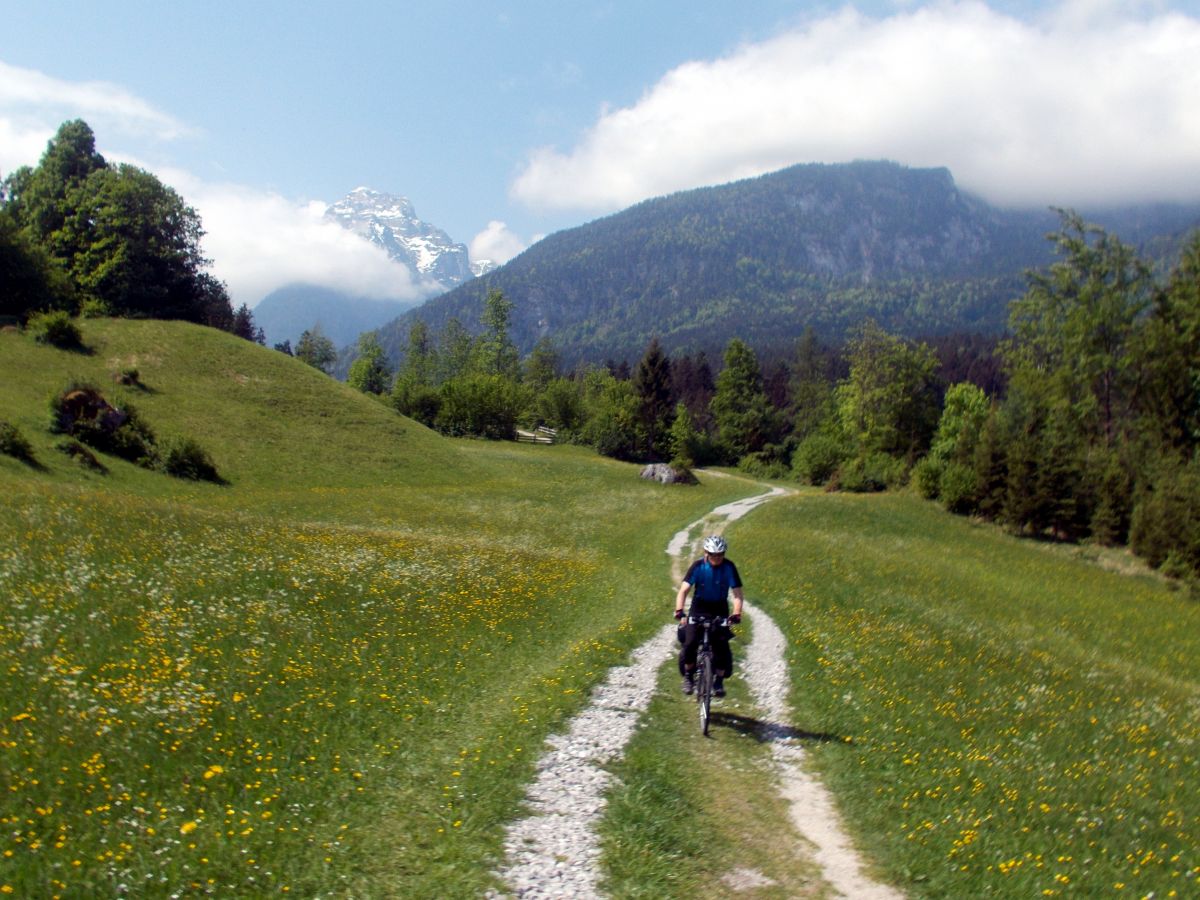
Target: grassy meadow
<point>330,676</point>
<point>1015,719</point>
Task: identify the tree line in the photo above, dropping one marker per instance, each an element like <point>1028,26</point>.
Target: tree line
<point>81,236</point>
<point>1082,423</point>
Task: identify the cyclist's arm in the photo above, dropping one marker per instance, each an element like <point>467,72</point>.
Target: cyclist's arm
<point>738,599</point>
<point>681,595</point>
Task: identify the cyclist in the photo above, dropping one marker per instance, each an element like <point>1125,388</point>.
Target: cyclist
<point>714,577</point>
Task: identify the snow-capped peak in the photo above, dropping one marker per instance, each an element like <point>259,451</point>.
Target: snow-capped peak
<point>390,221</point>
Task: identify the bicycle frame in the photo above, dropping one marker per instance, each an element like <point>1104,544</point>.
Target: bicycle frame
<point>704,665</point>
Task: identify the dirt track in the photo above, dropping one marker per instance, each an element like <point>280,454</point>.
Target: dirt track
<point>555,851</point>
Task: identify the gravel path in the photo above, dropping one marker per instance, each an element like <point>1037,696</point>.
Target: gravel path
<point>811,805</point>
<point>555,852</point>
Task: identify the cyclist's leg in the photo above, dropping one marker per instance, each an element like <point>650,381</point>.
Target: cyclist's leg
<point>722,655</point>
<point>687,654</point>
<point>687,659</point>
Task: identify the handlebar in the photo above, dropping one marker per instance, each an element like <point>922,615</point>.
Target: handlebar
<point>714,620</point>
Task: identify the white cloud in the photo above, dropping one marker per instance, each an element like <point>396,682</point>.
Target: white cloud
<point>260,241</point>
<point>1091,103</point>
<point>496,243</point>
<point>33,105</point>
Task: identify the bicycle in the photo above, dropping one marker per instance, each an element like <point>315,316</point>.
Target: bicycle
<point>704,675</point>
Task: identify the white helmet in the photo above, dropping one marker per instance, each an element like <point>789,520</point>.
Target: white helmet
<point>714,544</point>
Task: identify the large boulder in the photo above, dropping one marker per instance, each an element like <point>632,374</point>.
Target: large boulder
<point>665,474</point>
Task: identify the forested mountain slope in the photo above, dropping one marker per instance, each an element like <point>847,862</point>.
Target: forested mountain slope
<point>812,245</point>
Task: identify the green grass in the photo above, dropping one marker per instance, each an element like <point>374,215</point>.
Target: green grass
<point>1024,722</point>
<point>689,810</point>
<point>330,676</point>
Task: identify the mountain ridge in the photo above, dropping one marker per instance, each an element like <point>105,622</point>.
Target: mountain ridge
<point>811,245</point>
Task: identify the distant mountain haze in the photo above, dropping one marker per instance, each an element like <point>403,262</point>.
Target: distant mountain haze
<point>288,312</point>
<point>762,259</point>
<point>389,221</point>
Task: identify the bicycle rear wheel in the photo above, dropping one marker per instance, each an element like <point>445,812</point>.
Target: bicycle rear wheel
<point>704,688</point>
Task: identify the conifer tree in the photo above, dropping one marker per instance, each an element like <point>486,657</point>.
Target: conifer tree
<point>744,417</point>
<point>810,388</point>
<point>652,386</point>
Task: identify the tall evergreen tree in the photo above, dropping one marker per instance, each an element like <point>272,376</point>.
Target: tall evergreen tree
<point>693,383</point>
<point>991,469</point>
<point>1073,327</point>
<point>744,418</point>
<point>652,386</point>
<point>1167,361</point>
<point>494,352</point>
<point>244,327</point>
<point>811,388</point>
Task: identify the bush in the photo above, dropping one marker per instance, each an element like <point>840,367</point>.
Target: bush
<point>772,461</point>
<point>57,329</point>
<point>417,401</point>
<point>15,444</point>
<point>82,413</point>
<point>928,476</point>
<point>817,458</point>
<point>83,456</point>
<point>1166,519</point>
<point>958,487</point>
<point>870,473</point>
<point>94,308</point>
<point>187,459</point>
<point>758,466</point>
<point>480,406</point>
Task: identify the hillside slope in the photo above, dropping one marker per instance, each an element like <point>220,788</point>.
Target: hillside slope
<point>269,421</point>
<point>812,245</point>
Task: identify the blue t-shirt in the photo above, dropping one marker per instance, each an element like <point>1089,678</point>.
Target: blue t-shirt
<point>711,585</point>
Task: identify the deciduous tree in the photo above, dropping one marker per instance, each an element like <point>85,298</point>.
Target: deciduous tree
<point>316,349</point>
<point>889,402</point>
<point>370,372</point>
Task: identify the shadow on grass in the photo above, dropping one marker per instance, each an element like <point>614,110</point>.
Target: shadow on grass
<point>30,460</point>
<point>771,732</point>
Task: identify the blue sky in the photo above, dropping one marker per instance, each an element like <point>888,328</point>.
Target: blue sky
<point>506,121</point>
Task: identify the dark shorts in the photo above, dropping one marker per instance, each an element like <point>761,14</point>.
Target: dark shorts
<point>689,636</point>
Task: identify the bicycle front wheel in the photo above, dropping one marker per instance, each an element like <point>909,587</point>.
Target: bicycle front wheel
<point>704,688</point>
